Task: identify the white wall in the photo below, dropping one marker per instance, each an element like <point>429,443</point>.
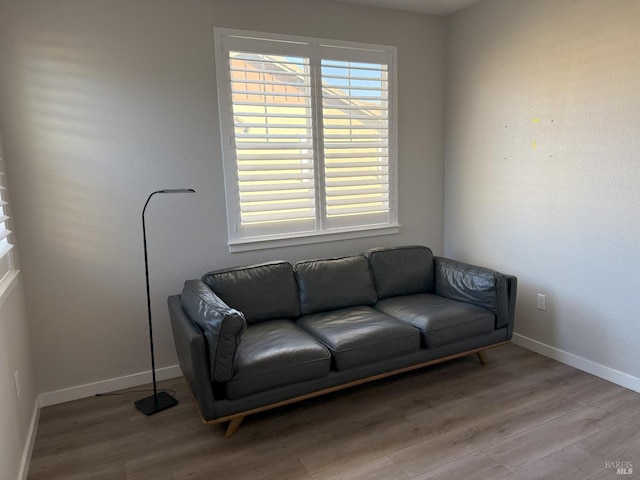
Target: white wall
<point>563,213</point>
<point>16,414</point>
<point>18,401</point>
<point>103,102</point>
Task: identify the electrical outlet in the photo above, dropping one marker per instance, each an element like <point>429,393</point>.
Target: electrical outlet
<point>16,379</point>
<point>541,302</point>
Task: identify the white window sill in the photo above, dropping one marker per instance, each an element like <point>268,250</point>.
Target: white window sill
<point>247,245</point>
<point>7,284</point>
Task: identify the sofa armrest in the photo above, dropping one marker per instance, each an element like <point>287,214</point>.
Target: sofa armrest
<point>192,353</point>
<point>486,288</point>
<point>222,326</point>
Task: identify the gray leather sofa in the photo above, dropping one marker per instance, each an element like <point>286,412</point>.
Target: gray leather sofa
<point>261,336</point>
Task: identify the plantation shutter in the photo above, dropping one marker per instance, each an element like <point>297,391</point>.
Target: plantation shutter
<point>5,245</point>
<point>355,119</point>
<point>308,130</point>
<point>271,103</point>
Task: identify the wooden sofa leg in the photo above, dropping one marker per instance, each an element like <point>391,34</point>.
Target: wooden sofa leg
<point>233,426</point>
<point>482,357</point>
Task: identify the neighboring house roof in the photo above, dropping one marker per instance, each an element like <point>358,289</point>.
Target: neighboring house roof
<point>333,94</point>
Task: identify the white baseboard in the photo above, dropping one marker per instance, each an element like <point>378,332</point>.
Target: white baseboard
<point>597,369</point>
<point>104,386</point>
<point>30,442</point>
<point>84,391</point>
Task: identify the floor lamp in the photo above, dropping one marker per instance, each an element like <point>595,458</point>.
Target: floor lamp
<point>158,401</point>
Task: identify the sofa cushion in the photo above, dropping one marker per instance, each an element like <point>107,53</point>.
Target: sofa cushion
<point>334,283</point>
<point>402,270</point>
<point>273,354</point>
<point>262,292</point>
<point>222,326</point>
<point>441,321</point>
<point>361,335</point>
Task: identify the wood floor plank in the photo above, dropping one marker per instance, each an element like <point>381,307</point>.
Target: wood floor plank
<point>380,469</point>
<point>209,467</point>
<point>477,425</point>
<point>520,412</point>
<point>356,445</point>
<point>611,471</point>
<point>545,439</point>
<point>616,443</point>
<point>618,407</point>
<point>477,466</point>
<point>436,450</point>
<point>570,463</point>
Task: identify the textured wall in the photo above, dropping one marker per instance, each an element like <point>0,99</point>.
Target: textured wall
<point>542,167</point>
<point>103,102</point>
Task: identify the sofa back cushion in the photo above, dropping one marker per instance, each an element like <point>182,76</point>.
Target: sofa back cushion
<point>267,291</point>
<point>330,284</point>
<point>479,286</point>
<point>402,270</point>
<point>222,327</point>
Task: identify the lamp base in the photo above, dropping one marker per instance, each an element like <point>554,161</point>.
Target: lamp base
<point>156,403</point>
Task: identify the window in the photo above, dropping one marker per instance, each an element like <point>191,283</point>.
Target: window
<point>308,132</point>
<point>6,262</point>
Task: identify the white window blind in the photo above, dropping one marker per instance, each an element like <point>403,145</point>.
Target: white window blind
<point>308,130</point>
<point>355,115</point>
<point>6,264</point>
<point>271,98</point>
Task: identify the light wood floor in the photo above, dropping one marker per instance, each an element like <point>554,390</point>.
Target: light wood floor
<point>522,416</point>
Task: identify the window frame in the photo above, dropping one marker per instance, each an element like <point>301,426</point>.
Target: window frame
<point>8,271</point>
<point>236,241</point>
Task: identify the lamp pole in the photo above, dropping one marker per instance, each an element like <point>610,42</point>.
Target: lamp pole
<point>158,401</point>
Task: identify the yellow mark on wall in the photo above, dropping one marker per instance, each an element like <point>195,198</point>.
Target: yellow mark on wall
<point>534,145</point>
<point>535,120</point>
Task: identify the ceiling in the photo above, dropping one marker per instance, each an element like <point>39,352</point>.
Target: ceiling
<point>433,7</point>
